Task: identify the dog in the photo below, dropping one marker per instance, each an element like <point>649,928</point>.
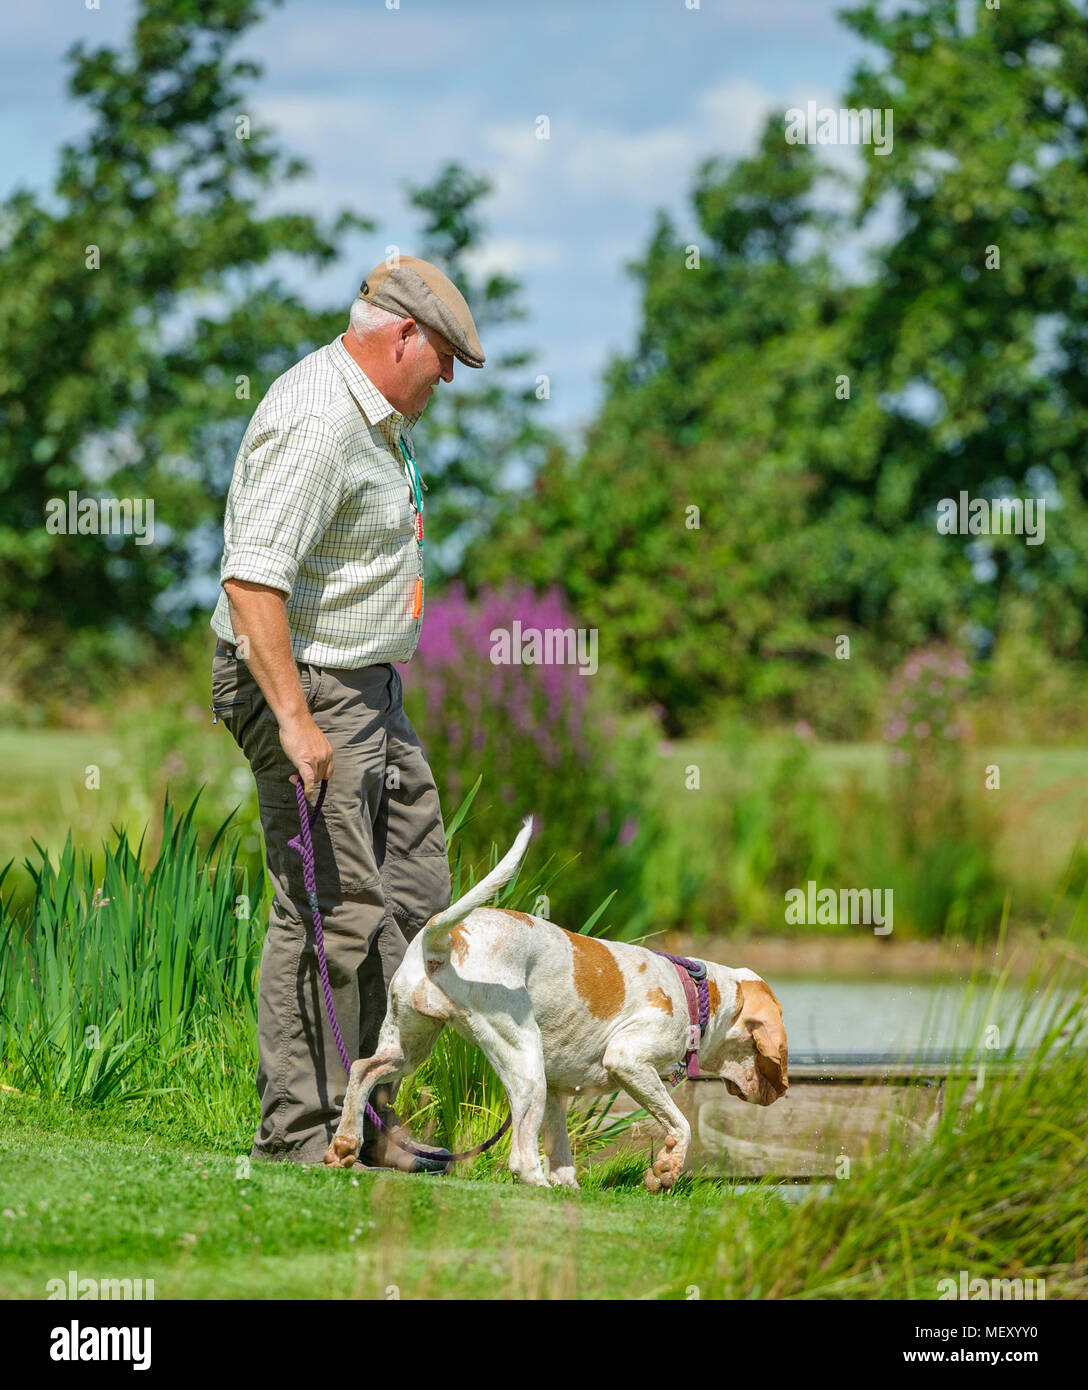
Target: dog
<point>557,1013</point>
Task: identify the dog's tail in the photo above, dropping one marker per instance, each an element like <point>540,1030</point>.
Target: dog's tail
<point>436,933</point>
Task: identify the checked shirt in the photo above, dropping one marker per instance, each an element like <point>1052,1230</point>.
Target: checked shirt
<point>320,507</point>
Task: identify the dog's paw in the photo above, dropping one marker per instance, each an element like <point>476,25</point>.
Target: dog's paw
<point>343,1150</point>
<point>666,1167</point>
<point>564,1177</point>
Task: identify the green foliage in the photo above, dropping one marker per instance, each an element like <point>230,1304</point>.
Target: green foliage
<point>115,965</point>
<point>998,1189</point>
<point>119,379</point>
<point>772,813</point>
<point>545,738</point>
<point>989,157</point>
<point>817,509</point>
<point>473,429</point>
<point>121,982</point>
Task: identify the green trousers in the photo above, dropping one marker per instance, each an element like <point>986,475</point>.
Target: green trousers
<point>382,870</point>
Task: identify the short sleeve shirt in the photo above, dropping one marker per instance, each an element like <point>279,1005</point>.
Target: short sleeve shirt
<point>321,507</point>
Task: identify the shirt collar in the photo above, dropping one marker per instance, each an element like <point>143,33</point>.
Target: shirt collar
<point>374,405</point>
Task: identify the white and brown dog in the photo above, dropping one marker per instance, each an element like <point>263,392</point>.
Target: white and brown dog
<point>557,1013</point>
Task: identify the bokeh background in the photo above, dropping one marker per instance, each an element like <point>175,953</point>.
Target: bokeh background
<point>808,681</point>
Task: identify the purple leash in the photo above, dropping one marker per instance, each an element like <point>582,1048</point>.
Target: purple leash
<point>303,843</point>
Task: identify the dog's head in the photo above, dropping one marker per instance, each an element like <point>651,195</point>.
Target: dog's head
<point>753,1056</point>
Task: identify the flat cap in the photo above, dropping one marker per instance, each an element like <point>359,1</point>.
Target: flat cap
<point>416,289</point>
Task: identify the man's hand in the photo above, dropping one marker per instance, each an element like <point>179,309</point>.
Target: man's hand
<point>308,749</point>
<point>259,613</point>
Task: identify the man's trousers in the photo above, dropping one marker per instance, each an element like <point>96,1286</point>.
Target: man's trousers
<point>380,858</point>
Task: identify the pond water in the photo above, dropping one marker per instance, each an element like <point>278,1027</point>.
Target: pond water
<point>892,1016</point>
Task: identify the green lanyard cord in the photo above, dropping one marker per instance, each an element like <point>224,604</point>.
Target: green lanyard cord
<point>413,473</point>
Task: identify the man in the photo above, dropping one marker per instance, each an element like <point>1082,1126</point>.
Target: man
<point>322,579</point>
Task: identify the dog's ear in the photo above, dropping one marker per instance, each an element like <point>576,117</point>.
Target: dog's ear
<point>760,1012</point>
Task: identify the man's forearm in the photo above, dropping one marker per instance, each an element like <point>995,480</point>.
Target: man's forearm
<point>259,613</point>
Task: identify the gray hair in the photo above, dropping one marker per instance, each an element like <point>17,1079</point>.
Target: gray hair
<point>368,318</point>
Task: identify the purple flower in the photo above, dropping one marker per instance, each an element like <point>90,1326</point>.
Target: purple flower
<point>921,729</point>
<point>628,831</point>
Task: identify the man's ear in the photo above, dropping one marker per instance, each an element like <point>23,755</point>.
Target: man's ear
<point>403,333</point>
<point>760,1012</point>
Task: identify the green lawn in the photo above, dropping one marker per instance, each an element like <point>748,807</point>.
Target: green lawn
<point>85,1193</point>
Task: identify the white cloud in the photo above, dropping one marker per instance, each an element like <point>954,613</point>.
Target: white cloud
<point>734,113</point>
<point>514,256</point>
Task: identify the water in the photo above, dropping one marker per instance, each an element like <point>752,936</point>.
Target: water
<point>892,1016</point>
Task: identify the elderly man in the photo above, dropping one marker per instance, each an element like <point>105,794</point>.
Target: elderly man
<point>322,579</point>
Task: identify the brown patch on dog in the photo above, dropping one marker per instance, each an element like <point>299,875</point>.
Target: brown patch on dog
<point>521,916</point>
<point>458,943</point>
<point>642,967</point>
<point>714,996</point>
<point>597,976</point>
<point>658,999</point>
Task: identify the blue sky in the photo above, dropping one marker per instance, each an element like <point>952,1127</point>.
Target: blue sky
<point>636,94</point>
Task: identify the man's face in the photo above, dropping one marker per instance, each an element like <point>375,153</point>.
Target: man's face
<point>425,362</point>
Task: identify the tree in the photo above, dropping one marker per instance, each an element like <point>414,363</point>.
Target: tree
<point>472,432</point>
<point>817,425</point>
<point>115,372</point>
<point>980,304</point>
<point>697,529</point>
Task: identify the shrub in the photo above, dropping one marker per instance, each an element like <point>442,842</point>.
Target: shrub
<point>942,830</point>
<point>545,738</point>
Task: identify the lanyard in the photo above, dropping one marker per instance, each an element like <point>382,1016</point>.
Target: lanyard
<point>413,474</point>
<point>416,483</point>
<point>417,486</point>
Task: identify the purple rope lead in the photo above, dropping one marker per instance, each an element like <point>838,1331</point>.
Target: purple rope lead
<point>303,843</point>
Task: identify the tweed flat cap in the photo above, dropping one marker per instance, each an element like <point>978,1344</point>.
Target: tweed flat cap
<point>416,289</point>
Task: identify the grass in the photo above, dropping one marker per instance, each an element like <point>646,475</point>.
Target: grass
<point>1000,1191</point>
<point>1046,788</point>
<point>133,1205</point>
<point>727,851</point>
<point>127,1110</point>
